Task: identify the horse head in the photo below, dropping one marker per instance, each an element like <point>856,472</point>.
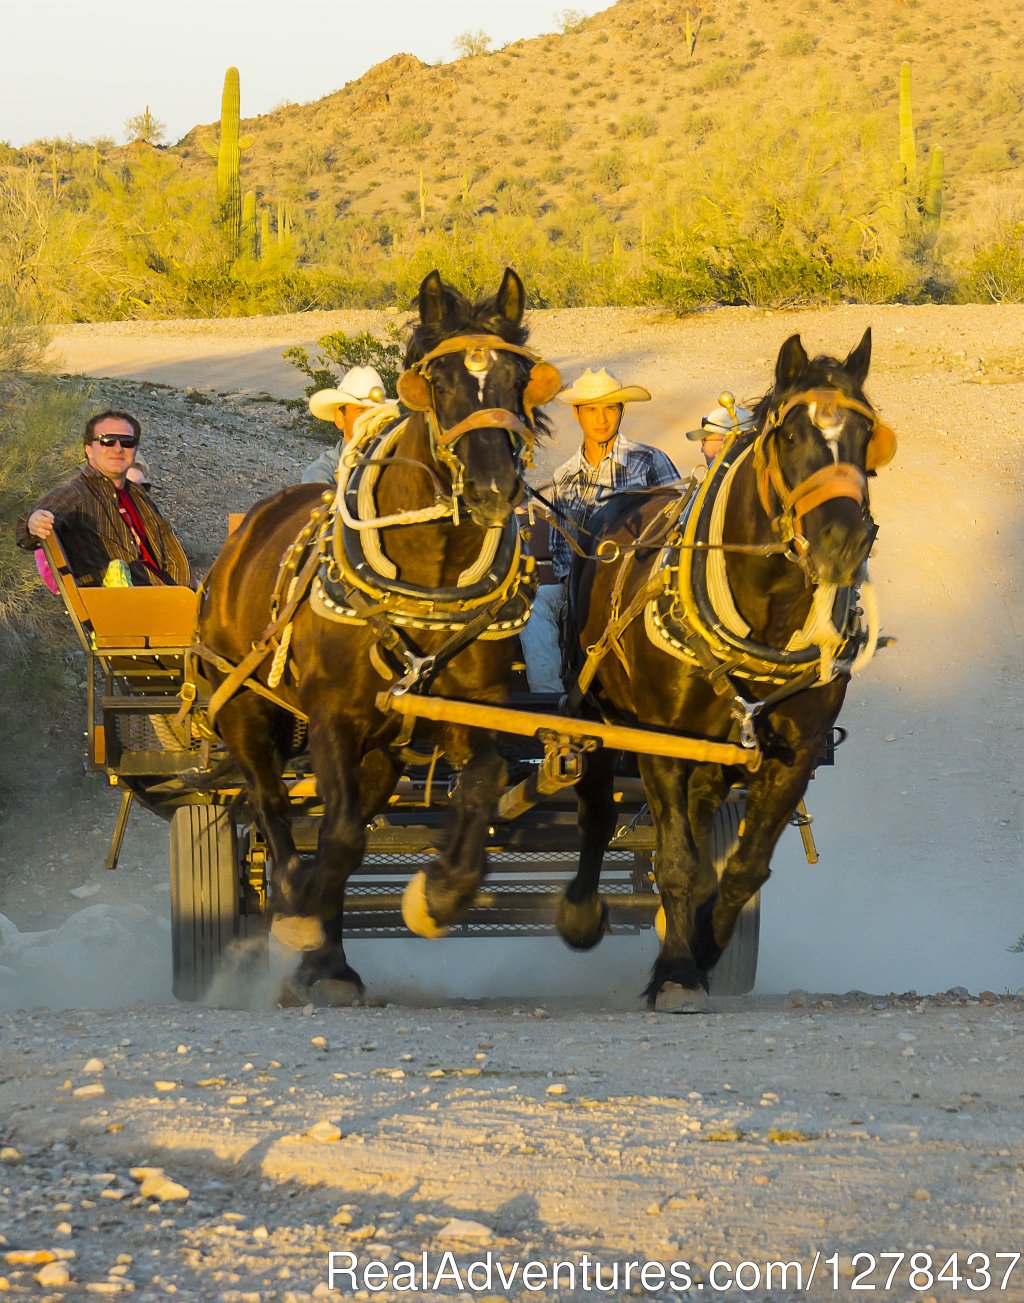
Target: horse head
<point>468,370</point>
<point>819,441</point>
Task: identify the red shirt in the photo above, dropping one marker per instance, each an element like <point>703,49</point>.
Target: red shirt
<point>130,516</point>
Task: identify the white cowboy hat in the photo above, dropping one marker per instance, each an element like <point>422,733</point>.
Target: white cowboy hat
<point>602,387</point>
<point>361,385</point>
<point>718,421</point>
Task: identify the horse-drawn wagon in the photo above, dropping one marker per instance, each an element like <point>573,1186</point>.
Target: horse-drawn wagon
<point>348,643</point>
<point>135,641</point>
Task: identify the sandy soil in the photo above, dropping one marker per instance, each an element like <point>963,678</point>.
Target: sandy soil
<point>775,1128</point>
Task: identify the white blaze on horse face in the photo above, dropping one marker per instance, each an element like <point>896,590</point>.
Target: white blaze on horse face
<point>479,362</point>
<point>828,418</point>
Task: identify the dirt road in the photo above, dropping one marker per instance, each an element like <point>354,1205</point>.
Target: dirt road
<point>769,1132</point>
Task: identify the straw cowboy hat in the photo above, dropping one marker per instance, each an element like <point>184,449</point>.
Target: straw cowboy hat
<point>361,385</point>
<point>718,421</point>
<point>604,388</point>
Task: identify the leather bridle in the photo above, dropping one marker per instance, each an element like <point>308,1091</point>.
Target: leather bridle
<point>415,391</point>
<point>839,480</point>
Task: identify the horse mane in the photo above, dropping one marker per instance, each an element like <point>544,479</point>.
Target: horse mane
<point>465,317</point>
<point>821,372</point>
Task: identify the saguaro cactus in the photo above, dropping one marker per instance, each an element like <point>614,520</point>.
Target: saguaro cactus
<point>228,152</point>
<point>922,211</point>
<point>249,248</point>
<point>931,212</point>
<point>264,249</point>
<point>908,154</point>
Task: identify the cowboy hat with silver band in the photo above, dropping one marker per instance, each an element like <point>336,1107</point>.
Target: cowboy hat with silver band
<point>360,386</point>
<point>601,387</point>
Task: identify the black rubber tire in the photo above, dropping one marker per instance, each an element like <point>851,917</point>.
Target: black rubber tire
<point>736,971</point>
<point>205,894</point>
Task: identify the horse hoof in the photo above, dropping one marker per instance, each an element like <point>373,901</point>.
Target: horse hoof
<point>418,918</point>
<point>582,924</point>
<point>673,998</point>
<point>293,994</point>
<point>660,925</point>
<point>297,933</point>
<point>330,993</point>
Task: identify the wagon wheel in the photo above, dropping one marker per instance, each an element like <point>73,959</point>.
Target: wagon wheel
<point>205,892</point>
<point>735,972</point>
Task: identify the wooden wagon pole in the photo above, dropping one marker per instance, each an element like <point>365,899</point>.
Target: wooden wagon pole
<point>526,723</point>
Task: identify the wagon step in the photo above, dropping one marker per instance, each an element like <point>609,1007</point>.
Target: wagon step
<point>526,723</point>
<point>506,902</point>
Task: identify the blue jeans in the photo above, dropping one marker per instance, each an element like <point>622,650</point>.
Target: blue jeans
<point>539,639</point>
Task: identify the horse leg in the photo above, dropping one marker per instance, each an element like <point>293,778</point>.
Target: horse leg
<point>340,845</point>
<point>707,791</point>
<point>442,894</point>
<point>246,724</point>
<point>773,795</point>
<point>677,983</point>
<point>582,918</point>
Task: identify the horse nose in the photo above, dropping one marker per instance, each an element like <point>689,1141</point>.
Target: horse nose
<point>843,549</point>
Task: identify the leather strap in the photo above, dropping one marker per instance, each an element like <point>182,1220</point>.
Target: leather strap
<point>488,418</point>
<point>460,343</point>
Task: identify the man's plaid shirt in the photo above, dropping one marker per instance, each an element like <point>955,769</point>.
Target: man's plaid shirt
<point>580,489</point>
<point>92,532</point>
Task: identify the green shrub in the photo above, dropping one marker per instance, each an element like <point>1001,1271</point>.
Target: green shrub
<point>798,42</point>
<point>640,125</point>
<point>995,272</point>
<point>41,432</point>
<point>338,352</point>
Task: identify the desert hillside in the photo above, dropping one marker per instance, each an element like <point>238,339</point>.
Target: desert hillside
<point>653,153</point>
<point>616,110</point>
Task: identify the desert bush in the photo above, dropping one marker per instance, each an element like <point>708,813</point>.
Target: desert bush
<point>799,229</point>
<point>639,125</point>
<point>554,132</point>
<point>995,271</point>
<point>610,170</point>
<point>570,20</point>
<point>338,352</point>
<point>40,430</point>
<point>472,43</point>
<point>145,127</point>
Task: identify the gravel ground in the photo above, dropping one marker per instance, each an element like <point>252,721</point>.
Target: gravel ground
<point>773,1130</point>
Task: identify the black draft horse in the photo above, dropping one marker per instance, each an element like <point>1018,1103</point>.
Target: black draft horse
<point>798,502</point>
<point>471,381</point>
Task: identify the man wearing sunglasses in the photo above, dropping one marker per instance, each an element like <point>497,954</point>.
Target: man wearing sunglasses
<point>101,516</point>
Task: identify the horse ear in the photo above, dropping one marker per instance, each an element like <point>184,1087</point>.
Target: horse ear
<point>511,297</point>
<point>792,362</point>
<point>860,359</point>
<point>433,299</point>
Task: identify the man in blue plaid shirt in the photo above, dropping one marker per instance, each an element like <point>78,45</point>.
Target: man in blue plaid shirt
<point>605,463</point>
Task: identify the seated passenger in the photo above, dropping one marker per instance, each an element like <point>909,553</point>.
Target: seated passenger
<point>605,463</point>
<point>716,427</point>
<point>361,391</point>
<point>109,528</point>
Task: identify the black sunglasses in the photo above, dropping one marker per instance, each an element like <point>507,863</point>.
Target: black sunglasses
<point>124,440</point>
